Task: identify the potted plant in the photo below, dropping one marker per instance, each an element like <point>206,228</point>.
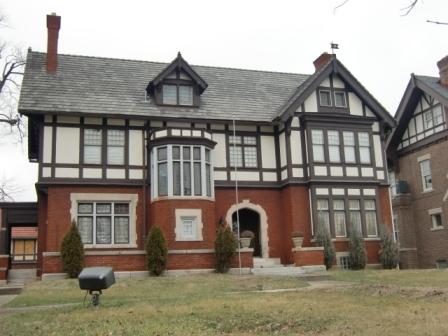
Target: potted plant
<point>245,238</point>
<point>297,239</point>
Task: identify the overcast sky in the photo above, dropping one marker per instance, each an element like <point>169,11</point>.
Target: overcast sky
<point>378,45</point>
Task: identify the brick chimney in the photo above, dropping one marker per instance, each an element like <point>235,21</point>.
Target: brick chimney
<point>53,26</point>
<point>443,71</point>
<point>322,60</point>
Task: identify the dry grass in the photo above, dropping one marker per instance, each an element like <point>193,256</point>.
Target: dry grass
<point>377,303</point>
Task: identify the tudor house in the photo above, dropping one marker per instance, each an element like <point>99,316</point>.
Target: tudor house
<point>124,145</point>
<point>417,154</point>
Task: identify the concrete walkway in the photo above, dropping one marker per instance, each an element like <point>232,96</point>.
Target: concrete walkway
<point>4,299</point>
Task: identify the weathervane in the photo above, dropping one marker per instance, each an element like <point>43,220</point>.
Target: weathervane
<point>334,46</point>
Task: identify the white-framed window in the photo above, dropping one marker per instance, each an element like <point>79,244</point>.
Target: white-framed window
<point>340,99</point>
<point>181,171</point>
<point>339,218</point>
<point>370,216</point>
<point>395,227</point>
<point>325,98</point>
<point>354,209</point>
<point>115,147</point>
<point>188,225</point>
<point>438,115</point>
<point>317,139</point>
<point>436,218</point>
<point>425,171</point>
<point>393,183</point>
<point>364,147</point>
<point>104,223</point>
<point>323,214</point>
<point>173,94</point>
<point>349,147</point>
<point>429,119</point>
<point>92,145</point>
<point>243,151</point>
<point>333,146</point>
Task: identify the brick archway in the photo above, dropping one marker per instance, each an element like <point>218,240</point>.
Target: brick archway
<point>264,238</point>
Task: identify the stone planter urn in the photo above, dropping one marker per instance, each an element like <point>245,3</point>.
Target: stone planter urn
<point>297,239</point>
<point>246,238</point>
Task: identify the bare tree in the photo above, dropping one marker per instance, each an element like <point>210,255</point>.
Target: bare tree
<point>12,62</point>
<point>8,189</point>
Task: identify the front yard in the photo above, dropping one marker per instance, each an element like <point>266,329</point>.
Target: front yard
<point>368,303</point>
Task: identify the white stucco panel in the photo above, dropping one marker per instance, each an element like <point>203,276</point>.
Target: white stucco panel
<point>67,145</point>
<point>245,176</point>
<point>220,175</point>
<point>320,171</point>
<point>135,148</point>
<point>311,103</point>
<point>67,173</point>
<point>48,140</point>
<point>219,152</point>
<point>268,151</point>
<point>92,173</point>
<point>269,176</point>
<point>378,151</point>
<point>355,104</point>
<point>282,144</point>
<point>296,147</point>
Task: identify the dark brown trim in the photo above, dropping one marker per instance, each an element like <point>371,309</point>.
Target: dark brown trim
<point>179,140</point>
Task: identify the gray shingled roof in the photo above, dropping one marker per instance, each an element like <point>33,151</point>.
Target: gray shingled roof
<point>434,85</point>
<point>117,87</point>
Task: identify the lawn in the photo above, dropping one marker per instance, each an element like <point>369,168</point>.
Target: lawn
<point>370,303</point>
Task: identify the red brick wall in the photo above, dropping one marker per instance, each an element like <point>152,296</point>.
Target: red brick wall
<point>162,214</point>
<point>308,258</point>
<point>3,267</point>
<point>372,248</point>
<point>42,229</point>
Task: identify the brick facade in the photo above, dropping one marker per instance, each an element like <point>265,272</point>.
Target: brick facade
<point>421,245</point>
<point>286,209</point>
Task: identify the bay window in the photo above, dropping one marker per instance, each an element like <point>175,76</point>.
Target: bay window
<point>323,214</point>
<point>333,146</point>
<point>339,218</point>
<point>364,147</point>
<point>181,170</point>
<point>317,139</point>
<point>355,216</point>
<point>349,147</point>
<point>370,213</point>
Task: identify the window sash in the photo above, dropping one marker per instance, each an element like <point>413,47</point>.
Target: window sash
<point>340,99</point>
<point>317,140</point>
<point>243,151</point>
<point>185,95</point>
<point>108,223</point>
<point>325,98</point>
<point>169,94</point>
<point>426,175</point>
<point>364,147</point>
<point>115,147</point>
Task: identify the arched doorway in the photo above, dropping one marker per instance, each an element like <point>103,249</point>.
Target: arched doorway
<point>249,220</point>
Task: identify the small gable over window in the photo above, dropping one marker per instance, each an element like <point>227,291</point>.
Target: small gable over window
<point>177,85</point>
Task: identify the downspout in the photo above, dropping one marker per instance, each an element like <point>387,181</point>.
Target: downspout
<point>144,183</point>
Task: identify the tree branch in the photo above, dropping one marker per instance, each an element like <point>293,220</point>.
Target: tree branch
<point>409,8</point>
<point>437,22</point>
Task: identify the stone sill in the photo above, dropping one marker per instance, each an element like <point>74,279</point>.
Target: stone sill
<point>437,228</point>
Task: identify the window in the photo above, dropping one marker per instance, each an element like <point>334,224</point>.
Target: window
<point>370,213</point>
<point>364,147</point>
<point>177,94</point>
<point>355,215</point>
<point>104,223</point>
<point>333,146</point>
<point>395,227</point>
<point>181,171</point>
<point>436,220</point>
<point>92,146</point>
<point>323,214</point>
<point>429,121</point>
<point>317,139</point>
<point>243,151</point>
<point>339,99</point>
<point>115,147</point>
<point>339,218</point>
<point>349,147</point>
<point>344,262</point>
<point>393,183</point>
<point>24,249</point>
<point>325,98</point>
<point>188,225</point>
<point>425,171</point>
<point>438,115</point>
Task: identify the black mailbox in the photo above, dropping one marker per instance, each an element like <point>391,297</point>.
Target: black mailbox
<point>96,278</point>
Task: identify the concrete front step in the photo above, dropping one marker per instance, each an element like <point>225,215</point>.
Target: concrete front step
<point>21,276</point>
<point>267,262</point>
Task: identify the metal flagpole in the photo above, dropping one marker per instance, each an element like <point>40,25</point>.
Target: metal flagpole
<point>236,192</point>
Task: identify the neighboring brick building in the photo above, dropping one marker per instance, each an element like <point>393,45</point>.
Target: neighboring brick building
<point>119,155</point>
<point>418,162</point>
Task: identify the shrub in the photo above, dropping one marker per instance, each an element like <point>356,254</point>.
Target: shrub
<point>72,252</point>
<point>247,234</point>
<point>225,248</point>
<point>297,234</point>
<point>156,251</point>
<point>323,238</point>
<point>357,251</point>
<point>389,255</point>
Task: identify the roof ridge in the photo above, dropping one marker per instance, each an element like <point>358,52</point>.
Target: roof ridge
<point>195,65</point>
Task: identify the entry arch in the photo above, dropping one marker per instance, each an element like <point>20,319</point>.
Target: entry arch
<point>264,238</point>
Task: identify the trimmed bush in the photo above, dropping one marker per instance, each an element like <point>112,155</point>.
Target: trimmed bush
<point>225,248</point>
<point>156,251</point>
<point>72,252</point>
<point>323,238</point>
<point>357,251</point>
<point>389,255</point>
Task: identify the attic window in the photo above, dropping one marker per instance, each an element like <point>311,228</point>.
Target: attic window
<point>177,95</point>
<point>325,98</point>
<point>339,99</point>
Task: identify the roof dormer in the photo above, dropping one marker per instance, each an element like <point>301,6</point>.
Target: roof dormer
<point>177,85</point>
